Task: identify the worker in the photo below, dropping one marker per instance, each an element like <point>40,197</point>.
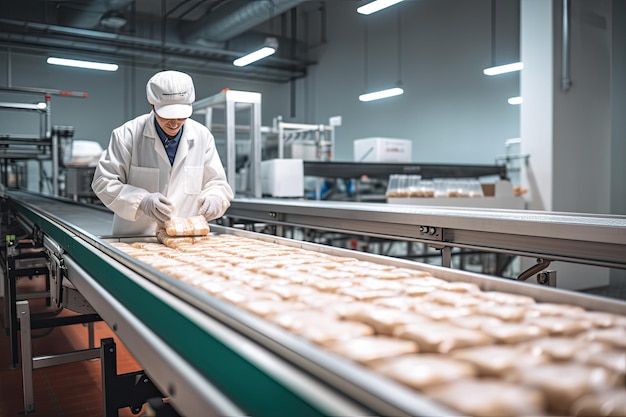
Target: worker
<point>162,164</point>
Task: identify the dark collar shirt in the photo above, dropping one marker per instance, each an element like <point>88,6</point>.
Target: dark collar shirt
<point>170,144</point>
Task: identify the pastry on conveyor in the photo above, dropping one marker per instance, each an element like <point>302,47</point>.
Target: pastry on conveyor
<point>561,325</point>
<point>510,332</point>
<point>608,403</point>
<point>563,348</point>
<point>563,383</point>
<point>497,360</point>
<point>421,371</point>
<point>367,349</point>
<point>615,336</point>
<point>384,320</point>
<point>190,226</point>
<point>440,337</point>
<point>489,398</point>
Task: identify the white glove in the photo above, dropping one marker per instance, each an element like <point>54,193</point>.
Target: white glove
<point>157,206</point>
<point>210,207</point>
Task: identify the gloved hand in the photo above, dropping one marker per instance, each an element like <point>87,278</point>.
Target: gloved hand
<point>157,206</point>
<point>210,207</point>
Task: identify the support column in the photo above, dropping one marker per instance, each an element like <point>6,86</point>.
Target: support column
<point>566,114</point>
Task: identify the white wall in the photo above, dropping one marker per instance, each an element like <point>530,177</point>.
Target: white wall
<point>451,111</point>
<point>566,130</point>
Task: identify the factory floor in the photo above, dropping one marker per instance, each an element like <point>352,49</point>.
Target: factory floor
<point>70,390</point>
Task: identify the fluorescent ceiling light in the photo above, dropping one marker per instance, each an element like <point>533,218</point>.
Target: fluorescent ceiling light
<point>254,56</point>
<point>503,69</point>
<point>82,64</point>
<point>42,106</point>
<point>377,95</point>
<point>515,100</point>
<point>376,5</point>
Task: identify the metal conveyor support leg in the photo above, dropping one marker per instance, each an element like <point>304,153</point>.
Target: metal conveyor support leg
<point>23,315</point>
<point>132,389</point>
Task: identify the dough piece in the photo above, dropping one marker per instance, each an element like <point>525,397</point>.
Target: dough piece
<point>322,299</point>
<point>380,284</point>
<point>563,348</point>
<point>438,337</point>
<point>600,404</point>
<point>241,296</point>
<point>268,308</point>
<point>602,319</point>
<point>418,290</point>
<point>190,226</point>
<point>502,311</point>
<point>614,360</point>
<point>384,320</point>
<point>513,332</point>
<point>414,273</point>
<point>367,349</point>
<point>497,360</point>
<point>398,303</point>
<point>614,336</point>
<point>474,321</point>
<point>465,287</point>
<point>551,309</point>
<point>489,398</point>
<point>435,311</point>
<point>564,383</point>
<point>421,371</point>
<point>342,310</point>
<point>453,298</point>
<point>298,320</point>
<point>561,325</point>
<point>506,298</point>
<point>425,281</point>
<point>186,272</point>
<point>332,285</point>
<point>157,261</point>
<point>327,333</point>
<point>366,294</point>
<point>289,291</point>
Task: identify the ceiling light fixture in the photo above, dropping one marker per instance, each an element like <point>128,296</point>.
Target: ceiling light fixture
<point>113,20</point>
<point>498,69</point>
<point>376,5</point>
<point>389,92</point>
<point>377,95</point>
<point>82,64</point>
<point>503,69</point>
<point>515,100</point>
<point>269,48</point>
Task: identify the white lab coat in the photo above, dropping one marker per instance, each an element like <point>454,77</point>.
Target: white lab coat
<point>135,164</point>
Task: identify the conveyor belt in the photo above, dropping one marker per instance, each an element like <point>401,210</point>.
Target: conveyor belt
<point>208,354</point>
<point>95,220</point>
<point>571,237</point>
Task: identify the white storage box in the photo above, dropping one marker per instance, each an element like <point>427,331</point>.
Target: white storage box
<point>282,177</point>
<point>382,150</point>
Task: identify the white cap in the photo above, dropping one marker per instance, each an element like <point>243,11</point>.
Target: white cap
<point>172,94</point>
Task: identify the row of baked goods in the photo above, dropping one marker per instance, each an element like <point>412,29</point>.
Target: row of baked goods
<point>483,353</point>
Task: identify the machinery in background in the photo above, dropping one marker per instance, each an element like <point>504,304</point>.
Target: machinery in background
<point>44,147</point>
<point>234,118</point>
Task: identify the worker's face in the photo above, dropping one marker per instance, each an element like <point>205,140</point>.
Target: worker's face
<point>171,127</point>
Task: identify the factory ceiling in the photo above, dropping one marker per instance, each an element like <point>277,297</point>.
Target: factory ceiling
<point>200,35</point>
